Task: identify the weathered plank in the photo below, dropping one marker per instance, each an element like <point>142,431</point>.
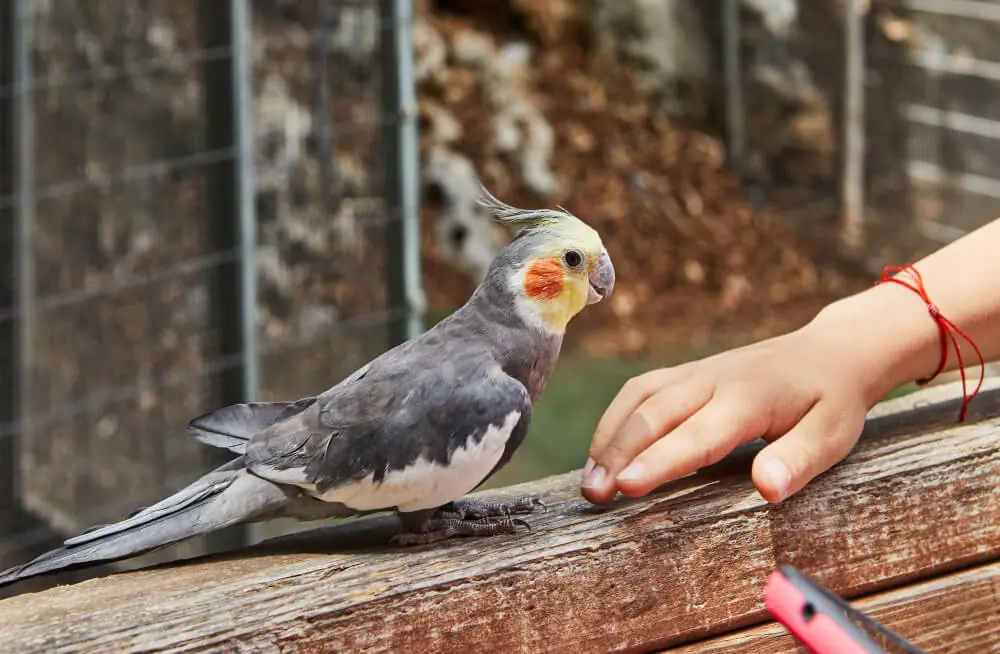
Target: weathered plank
<point>917,497</point>
<point>954,614</point>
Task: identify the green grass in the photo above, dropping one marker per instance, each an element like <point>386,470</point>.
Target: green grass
<point>906,389</point>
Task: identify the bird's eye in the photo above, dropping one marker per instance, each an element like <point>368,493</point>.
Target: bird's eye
<point>573,258</point>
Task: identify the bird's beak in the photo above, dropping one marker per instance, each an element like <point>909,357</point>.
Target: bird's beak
<point>602,280</point>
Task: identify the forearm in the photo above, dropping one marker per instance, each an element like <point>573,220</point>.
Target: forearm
<point>890,326</point>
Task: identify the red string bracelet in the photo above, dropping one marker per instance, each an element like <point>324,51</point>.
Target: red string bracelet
<point>946,328</point>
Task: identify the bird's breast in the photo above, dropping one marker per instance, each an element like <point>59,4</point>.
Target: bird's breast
<point>426,484</point>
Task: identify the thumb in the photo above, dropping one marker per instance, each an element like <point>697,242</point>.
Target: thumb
<point>824,436</point>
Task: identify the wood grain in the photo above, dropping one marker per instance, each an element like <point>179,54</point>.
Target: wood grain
<point>682,564</point>
<point>954,614</point>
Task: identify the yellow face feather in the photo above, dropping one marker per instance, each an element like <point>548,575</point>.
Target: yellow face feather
<point>557,281</point>
<point>567,266</point>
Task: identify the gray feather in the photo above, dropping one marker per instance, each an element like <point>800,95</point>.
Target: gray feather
<point>216,501</point>
<point>232,426</point>
<point>400,412</point>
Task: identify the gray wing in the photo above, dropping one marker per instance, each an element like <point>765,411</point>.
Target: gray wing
<point>232,427</point>
<point>387,419</point>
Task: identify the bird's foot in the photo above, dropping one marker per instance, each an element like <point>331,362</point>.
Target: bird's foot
<point>439,529</point>
<point>479,509</point>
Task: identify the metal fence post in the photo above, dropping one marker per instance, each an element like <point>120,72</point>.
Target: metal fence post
<point>735,107</point>
<point>242,63</point>
<point>230,187</point>
<point>17,241</point>
<point>402,166</point>
<point>332,183</point>
<point>852,182</point>
<point>8,271</point>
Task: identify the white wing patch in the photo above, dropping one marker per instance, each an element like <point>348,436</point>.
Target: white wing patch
<point>426,484</point>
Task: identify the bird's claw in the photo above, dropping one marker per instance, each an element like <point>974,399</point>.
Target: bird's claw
<point>523,523</point>
<point>472,518</point>
<point>444,528</point>
<point>480,509</point>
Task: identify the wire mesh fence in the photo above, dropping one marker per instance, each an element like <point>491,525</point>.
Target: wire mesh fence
<point>204,202</point>
<point>200,204</point>
<point>876,114</point>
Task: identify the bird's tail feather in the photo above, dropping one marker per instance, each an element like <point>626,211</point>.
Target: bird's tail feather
<point>220,499</point>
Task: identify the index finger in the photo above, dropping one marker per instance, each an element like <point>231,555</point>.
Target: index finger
<point>632,394</point>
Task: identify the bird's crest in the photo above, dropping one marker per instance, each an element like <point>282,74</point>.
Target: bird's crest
<point>527,219</point>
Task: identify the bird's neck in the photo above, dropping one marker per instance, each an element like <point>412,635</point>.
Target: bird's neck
<point>526,351</point>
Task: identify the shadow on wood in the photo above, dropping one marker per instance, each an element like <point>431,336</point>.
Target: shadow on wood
<point>917,498</point>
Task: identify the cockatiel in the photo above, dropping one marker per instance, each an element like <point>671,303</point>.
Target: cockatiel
<point>412,431</point>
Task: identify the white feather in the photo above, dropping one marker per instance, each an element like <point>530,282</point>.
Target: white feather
<point>427,484</point>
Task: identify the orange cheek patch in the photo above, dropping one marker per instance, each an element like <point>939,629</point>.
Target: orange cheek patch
<point>544,279</point>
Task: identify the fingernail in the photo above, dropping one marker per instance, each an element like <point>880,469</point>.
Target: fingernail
<point>633,472</point>
<point>595,478</point>
<point>777,472</point>
<point>590,466</point>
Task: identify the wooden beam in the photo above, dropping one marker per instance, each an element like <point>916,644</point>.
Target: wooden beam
<point>958,613</point>
<point>917,498</point>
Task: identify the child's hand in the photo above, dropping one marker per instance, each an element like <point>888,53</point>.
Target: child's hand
<point>806,392</point>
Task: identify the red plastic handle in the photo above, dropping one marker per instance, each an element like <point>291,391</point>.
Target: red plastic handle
<point>820,634</point>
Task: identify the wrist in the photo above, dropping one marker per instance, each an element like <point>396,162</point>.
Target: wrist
<point>885,333</point>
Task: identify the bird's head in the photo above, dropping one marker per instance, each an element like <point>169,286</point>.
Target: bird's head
<point>554,267</point>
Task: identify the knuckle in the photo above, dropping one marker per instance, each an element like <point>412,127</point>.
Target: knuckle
<point>614,452</point>
<point>634,384</point>
<point>702,458</point>
<point>715,451</point>
<point>702,446</point>
<point>710,448</point>
<point>603,430</point>
<point>743,394</point>
<point>841,440</point>
<point>648,381</point>
<point>630,439</point>
<point>750,416</point>
<point>755,410</point>
<point>803,462</point>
